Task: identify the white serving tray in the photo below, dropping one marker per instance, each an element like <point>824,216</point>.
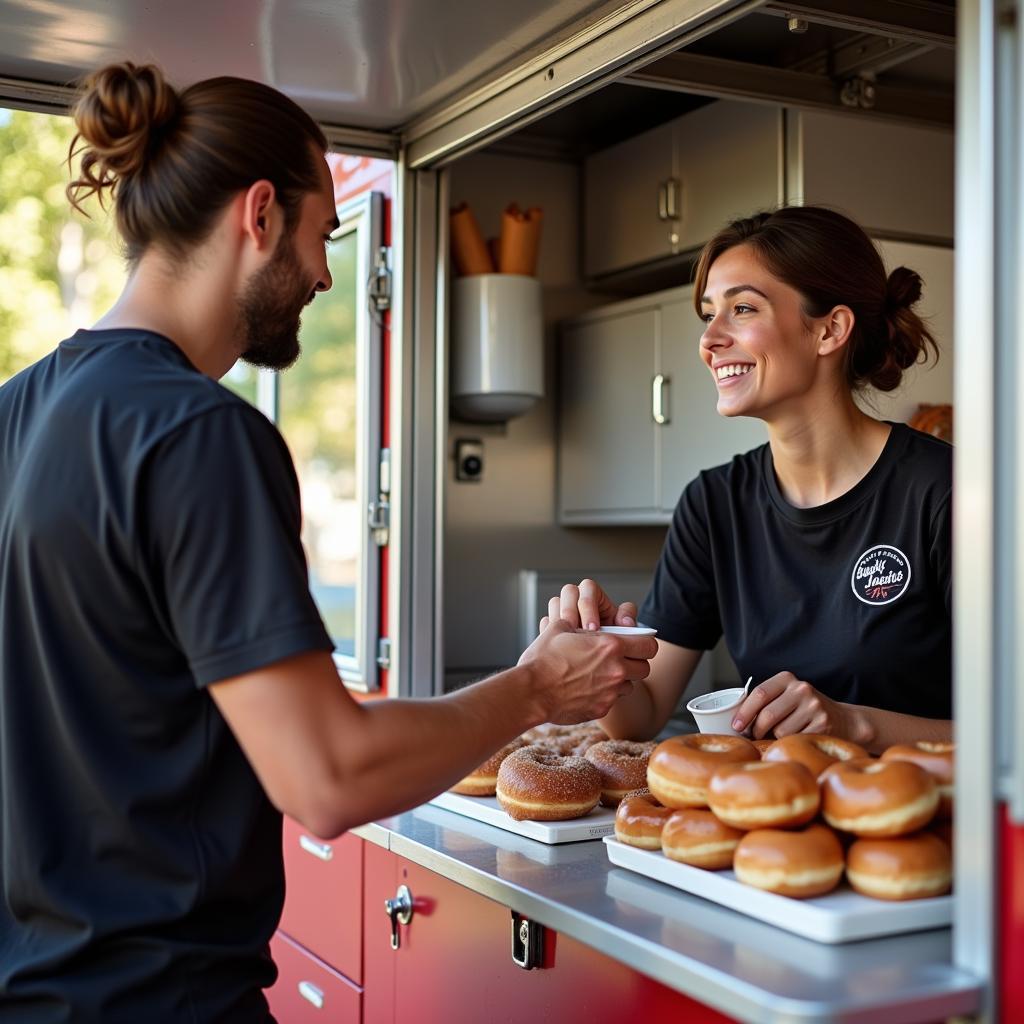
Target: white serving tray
<point>839,916</point>
<point>598,823</point>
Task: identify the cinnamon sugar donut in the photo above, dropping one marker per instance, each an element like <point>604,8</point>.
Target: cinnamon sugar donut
<point>878,798</point>
<point>680,767</point>
<point>482,781</point>
<point>937,760</point>
<point>639,820</point>
<point>763,794</point>
<point>623,767</point>
<point>815,752</point>
<point>536,785</point>
<point>805,862</point>
<point>695,836</point>
<point>906,868</point>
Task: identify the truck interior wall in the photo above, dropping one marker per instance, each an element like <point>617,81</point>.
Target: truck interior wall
<point>506,521</point>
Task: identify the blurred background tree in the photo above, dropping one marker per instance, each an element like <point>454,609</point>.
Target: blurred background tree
<point>58,270</point>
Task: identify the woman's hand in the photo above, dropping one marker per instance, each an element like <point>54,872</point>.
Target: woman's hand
<point>588,607</point>
<point>784,705</point>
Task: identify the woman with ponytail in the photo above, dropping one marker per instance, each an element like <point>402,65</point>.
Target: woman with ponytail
<point>823,557</point>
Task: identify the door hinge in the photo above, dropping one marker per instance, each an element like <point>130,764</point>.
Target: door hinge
<point>384,652</point>
<point>379,511</point>
<point>379,285</point>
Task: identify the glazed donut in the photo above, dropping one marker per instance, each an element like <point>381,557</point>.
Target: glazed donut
<point>536,785</point>
<point>763,794</point>
<point>906,868</point>
<point>813,751</point>
<point>482,781</point>
<point>878,798</point>
<point>937,760</point>
<point>802,863</point>
<point>623,767</point>
<point>695,836</point>
<point>762,745</point>
<point>639,820</point>
<point>680,767</point>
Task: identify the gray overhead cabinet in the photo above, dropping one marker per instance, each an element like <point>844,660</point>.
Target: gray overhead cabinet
<point>638,415</point>
<point>666,191</point>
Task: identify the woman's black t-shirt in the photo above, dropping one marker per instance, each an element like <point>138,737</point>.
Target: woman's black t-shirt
<point>852,596</point>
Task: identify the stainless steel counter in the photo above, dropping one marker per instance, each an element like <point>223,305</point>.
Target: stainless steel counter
<point>742,967</point>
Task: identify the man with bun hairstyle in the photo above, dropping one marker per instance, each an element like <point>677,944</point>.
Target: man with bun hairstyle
<point>823,557</point>
<point>166,684</point>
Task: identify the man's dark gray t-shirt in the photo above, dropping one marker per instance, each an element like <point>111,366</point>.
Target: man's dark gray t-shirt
<point>149,546</point>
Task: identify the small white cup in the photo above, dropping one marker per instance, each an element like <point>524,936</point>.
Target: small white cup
<point>714,712</point>
<point>629,630</point>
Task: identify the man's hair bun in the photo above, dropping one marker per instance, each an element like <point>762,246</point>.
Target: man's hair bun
<point>121,117</point>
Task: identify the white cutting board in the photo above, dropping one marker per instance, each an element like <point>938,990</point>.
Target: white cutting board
<point>598,823</point>
<point>839,916</point>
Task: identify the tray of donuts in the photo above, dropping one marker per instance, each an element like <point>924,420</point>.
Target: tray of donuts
<point>809,833</point>
<point>555,784</point>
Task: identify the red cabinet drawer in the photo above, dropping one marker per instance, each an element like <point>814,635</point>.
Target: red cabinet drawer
<point>308,991</point>
<point>323,908</point>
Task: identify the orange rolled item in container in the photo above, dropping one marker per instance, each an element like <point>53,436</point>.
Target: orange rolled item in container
<point>469,250</point>
<point>520,240</point>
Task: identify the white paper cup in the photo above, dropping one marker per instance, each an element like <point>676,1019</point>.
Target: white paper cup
<point>629,630</point>
<point>714,712</point>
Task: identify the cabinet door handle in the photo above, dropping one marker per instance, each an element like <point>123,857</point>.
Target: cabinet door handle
<point>311,994</point>
<point>663,201</point>
<point>672,189</point>
<point>324,851</point>
<point>660,398</point>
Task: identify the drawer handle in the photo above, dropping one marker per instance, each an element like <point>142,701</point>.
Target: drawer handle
<point>311,994</point>
<point>322,850</point>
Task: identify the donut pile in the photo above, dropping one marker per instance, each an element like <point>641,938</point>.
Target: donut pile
<point>558,772</point>
<point>782,816</point>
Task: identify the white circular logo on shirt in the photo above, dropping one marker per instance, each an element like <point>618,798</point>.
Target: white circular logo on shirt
<point>880,575</point>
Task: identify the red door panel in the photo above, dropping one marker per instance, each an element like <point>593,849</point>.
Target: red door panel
<point>1010,895</point>
<point>455,966</point>
<point>323,907</point>
<point>308,991</point>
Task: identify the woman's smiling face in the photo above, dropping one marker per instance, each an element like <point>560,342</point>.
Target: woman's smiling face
<point>760,348</point>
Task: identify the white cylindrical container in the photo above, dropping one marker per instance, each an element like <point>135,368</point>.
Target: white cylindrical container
<point>497,346</point>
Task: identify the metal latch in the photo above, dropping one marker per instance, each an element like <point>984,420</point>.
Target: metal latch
<point>384,652</point>
<point>379,285</point>
<point>527,943</point>
<point>400,911</point>
<point>378,513</point>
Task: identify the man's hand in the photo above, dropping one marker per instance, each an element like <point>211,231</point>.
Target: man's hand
<point>588,607</point>
<point>578,677</point>
<point>784,705</point>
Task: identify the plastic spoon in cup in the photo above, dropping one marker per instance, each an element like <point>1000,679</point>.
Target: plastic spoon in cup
<point>746,689</point>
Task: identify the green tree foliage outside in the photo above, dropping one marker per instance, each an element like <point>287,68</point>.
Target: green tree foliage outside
<point>58,270</point>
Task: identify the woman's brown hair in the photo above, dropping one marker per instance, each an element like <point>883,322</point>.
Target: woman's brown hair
<point>173,161</point>
<point>831,262</point>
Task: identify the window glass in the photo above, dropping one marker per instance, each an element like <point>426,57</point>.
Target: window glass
<point>318,413</point>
